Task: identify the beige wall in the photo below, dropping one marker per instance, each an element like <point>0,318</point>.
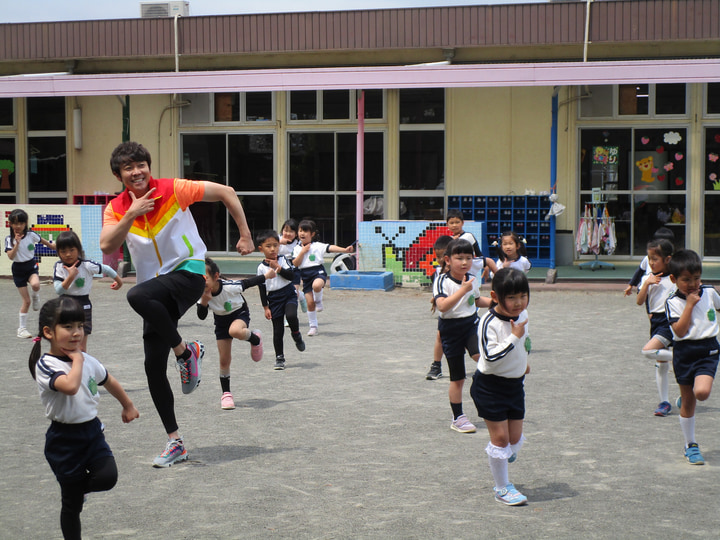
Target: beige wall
<point>498,140</point>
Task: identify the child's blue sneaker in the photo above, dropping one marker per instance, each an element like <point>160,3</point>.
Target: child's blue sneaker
<point>678,402</point>
<point>663,409</point>
<point>693,455</point>
<point>510,496</point>
<point>512,458</point>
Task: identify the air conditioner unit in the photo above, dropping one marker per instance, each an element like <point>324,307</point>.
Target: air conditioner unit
<point>156,10</point>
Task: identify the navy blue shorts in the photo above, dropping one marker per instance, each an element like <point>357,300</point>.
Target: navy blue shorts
<point>277,300</point>
<point>71,448</point>
<point>694,357</point>
<point>659,326</point>
<point>21,272</point>
<point>498,398</point>
<point>309,275</point>
<point>223,322</point>
<point>296,277</point>
<point>457,336</point>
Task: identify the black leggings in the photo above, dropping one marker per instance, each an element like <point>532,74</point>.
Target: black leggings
<point>102,475</point>
<point>279,327</point>
<point>161,302</point>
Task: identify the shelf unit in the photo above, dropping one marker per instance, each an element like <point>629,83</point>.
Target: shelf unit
<point>102,199</point>
<point>524,214</point>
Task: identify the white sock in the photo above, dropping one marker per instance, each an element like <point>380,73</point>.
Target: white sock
<point>659,355</point>
<point>661,378</point>
<point>688,428</point>
<point>498,459</point>
<point>312,318</point>
<point>23,320</point>
<point>318,296</point>
<point>518,445</point>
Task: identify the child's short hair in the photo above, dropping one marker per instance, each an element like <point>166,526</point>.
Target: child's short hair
<point>459,247</point>
<point>442,242</point>
<point>69,240</point>
<point>307,225</point>
<point>265,235</point>
<point>455,214</point>
<point>684,259</point>
<point>127,152</point>
<point>664,233</point>
<point>291,224</point>
<point>507,281</point>
<point>663,247</point>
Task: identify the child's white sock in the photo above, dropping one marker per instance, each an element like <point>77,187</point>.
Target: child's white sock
<point>498,459</point>
<point>688,428</point>
<point>317,296</point>
<point>518,445</point>
<point>662,379</point>
<point>312,318</point>
<point>23,320</point>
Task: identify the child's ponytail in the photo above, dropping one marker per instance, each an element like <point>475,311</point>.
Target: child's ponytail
<point>34,355</point>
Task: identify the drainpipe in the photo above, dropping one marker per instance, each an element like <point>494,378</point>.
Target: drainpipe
<point>553,159</point>
<point>360,172</point>
<point>177,54</point>
<point>587,29</point>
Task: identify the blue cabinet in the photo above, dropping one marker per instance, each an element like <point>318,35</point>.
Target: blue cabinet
<point>524,214</point>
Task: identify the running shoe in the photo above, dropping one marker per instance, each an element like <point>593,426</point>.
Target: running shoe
<point>174,453</point>
<point>279,363</point>
<point>510,496</point>
<point>23,333</point>
<point>678,402</point>
<point>319,306</point>
<point>35,300</point>
<point>462,425</point>
<point>693,455</point>
<point>256,351</point>
<point>302,302</point>
<point>513,458</point>
<point>663,409</point>
<point>190,369</point>
<point>299,343</point>
<point>313,331</point>
<point>435,372</point>
<point>227,402</point>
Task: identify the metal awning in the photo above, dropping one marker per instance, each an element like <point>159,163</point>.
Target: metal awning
<point>415,76</point>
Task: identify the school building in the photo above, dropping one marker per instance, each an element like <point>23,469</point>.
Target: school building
<point>615,102</point>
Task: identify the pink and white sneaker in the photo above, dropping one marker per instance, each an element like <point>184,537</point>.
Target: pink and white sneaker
<point>227,402</point>
<point>256,351</point>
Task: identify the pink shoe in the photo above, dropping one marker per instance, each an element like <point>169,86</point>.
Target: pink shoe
<point>313,331</point>
<point>227,402</point>
<point>256,351</point>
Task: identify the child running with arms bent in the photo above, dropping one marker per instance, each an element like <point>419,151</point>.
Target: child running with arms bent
<point>692,314</point>
<point>456,294</point>
<point>308,257</point>
<point>498,384</point>
<point>278,295</point>
<point>655,288</point>
<point>232,318</point>
<point>68,381</point>
<point>20,249</point>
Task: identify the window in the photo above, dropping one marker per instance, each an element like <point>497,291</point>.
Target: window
<point>641,173</point>
<point>644,100</point>
<point>227,107</point>
<point>335,106</point>
<point>7,117</point>
<point>47,158</point>
<point>8,161</point>
<point>322,177</point>
<point>713,98</point>
<point>712,192</point>
<point>243,161</point>
<point>422,154</point>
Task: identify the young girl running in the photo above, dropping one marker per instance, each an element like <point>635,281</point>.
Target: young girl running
<point>456,295</point>
<point>498,384</point>
<point>68,381</point>
<point>511,253</point>
<point>278,295</point>
<point>655,287</point>
<point>73,276</point>
<point>232,318</point>
<point>308,257</point>
<point>288,241</point>
<point>20,248</point>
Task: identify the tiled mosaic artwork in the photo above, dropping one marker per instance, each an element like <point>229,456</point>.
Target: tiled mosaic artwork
<point>404,248</point>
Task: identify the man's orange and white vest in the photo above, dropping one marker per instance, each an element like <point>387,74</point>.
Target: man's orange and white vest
<point>166,239</point>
